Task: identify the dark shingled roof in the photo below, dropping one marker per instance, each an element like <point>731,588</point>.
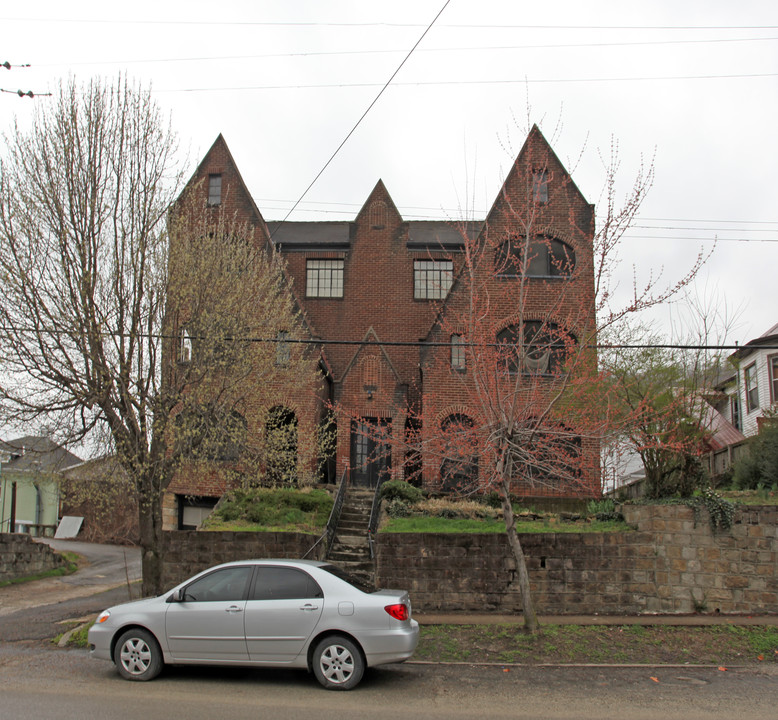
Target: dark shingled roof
<point>424,235</point>
<point>38,454</point>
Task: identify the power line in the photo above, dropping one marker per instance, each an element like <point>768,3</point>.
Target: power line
<point>364,114</point>
<point>398,343</point>
<point>444,83</point>
<point>311,23</point>
<point>335,53</point>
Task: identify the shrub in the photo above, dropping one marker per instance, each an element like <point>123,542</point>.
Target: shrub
<point>760,465</point>
<point>401,490</point>
<point>398,508</point>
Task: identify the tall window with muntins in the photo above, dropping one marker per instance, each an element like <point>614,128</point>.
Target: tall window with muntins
<point>184,346</point>
<point>458,361</point>
<point>752,388</point>
<point>432,279</point>
<point>283,350</point>
<point>542,256</point>
<point>214,189</point>
<point>324,278</point>
<point>772,362</point>
<point>534,348</point>
<point>734,409</point>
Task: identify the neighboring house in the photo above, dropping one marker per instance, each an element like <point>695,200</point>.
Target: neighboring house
<point>29,484</point>
<point>372,288</point>
<point>100,492</point>
<point>743,397</point>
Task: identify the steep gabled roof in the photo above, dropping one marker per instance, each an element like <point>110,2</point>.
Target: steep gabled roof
<point>34,453</point>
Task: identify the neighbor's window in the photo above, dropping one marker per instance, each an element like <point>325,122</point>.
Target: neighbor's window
<point>432,279</point>
<point>324,278</point>
<point>214,189</point>
<point>540,186</point>
<point>734,411</point>
<point>752,388</point>
<point>458,361</point>
<point>772,362</point>
<point>540,257</point>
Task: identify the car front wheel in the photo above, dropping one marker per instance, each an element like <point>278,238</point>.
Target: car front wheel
<point>338,663</point>
<point>137,655</point>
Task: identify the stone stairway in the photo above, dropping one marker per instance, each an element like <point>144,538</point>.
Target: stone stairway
<point>350,548</point>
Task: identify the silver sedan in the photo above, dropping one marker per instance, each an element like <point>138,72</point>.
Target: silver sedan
<point>276,613</point>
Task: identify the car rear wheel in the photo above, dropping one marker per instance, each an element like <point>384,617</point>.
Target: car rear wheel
<point>338,663</point>
<point>137,655</point>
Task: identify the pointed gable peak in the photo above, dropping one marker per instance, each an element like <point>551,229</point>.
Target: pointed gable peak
<point>379,208</point>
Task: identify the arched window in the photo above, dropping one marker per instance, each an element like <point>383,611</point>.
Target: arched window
<point>534,348</point>
<point>459,469</point>
<point>542,256</point>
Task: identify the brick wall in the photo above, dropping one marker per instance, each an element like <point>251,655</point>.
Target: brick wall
<point>21,556</point>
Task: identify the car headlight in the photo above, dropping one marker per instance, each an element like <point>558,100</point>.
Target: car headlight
<point>103,616</point>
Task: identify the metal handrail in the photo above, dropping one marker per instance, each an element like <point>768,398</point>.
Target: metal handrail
<point>375,514</point>
<point>334,519</point>
<point>337,508</point>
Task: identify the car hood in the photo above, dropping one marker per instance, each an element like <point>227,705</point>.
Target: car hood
<point>136,605</point>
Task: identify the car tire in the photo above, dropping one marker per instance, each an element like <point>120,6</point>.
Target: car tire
<point>338,663</point>
<point>137,655</point>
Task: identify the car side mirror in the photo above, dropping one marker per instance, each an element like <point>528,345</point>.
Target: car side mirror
<point>176,596</point>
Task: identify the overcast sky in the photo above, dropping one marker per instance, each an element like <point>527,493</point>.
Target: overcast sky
<point>691,84</point>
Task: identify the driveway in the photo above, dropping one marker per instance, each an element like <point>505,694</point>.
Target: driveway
<point>107,570</point>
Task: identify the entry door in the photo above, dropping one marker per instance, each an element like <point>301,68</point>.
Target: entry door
<point>371,456</point>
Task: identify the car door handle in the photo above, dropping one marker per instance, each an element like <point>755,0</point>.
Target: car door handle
<point>233,609</point>
<point>309,608</point>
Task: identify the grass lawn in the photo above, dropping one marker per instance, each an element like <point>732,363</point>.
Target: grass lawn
<point>600,644</point>
<point>426,524</point>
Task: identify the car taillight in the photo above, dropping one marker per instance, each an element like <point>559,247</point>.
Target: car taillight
<point>398,612</point>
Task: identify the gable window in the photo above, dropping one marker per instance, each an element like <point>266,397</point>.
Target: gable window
<point>772,363</point>
<point>282,349</point>
<point>214,189</point>
<point>534,348</point>
<point>185,346</point>
<point>540,257</point>
<point>540,186</point>
<point>752,388</point>
<point>432,279</point>
<point>458,361</point>
<point>324,278</point>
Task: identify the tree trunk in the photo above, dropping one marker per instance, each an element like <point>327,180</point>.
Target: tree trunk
<point>531,624</point>
<point>151,538</point>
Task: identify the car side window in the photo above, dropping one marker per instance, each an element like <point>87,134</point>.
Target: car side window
<point>282,583</point>
<point>223,585</point>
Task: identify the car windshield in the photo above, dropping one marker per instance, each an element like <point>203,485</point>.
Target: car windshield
<point>350,579</point>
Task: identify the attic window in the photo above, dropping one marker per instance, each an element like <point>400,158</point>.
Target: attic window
<point>540,186</point>
<point>214,189</point>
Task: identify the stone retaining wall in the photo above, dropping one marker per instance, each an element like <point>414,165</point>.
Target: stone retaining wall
<point>188,552</point>
<point>672,563</point>
<point>21,556</point>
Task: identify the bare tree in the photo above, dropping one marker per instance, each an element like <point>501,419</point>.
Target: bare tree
<point>88,311</point>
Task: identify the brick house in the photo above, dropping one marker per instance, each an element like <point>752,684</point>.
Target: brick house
<point>378,294</point>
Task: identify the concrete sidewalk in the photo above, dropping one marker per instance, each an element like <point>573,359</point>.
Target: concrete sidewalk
<point>667,620</point>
